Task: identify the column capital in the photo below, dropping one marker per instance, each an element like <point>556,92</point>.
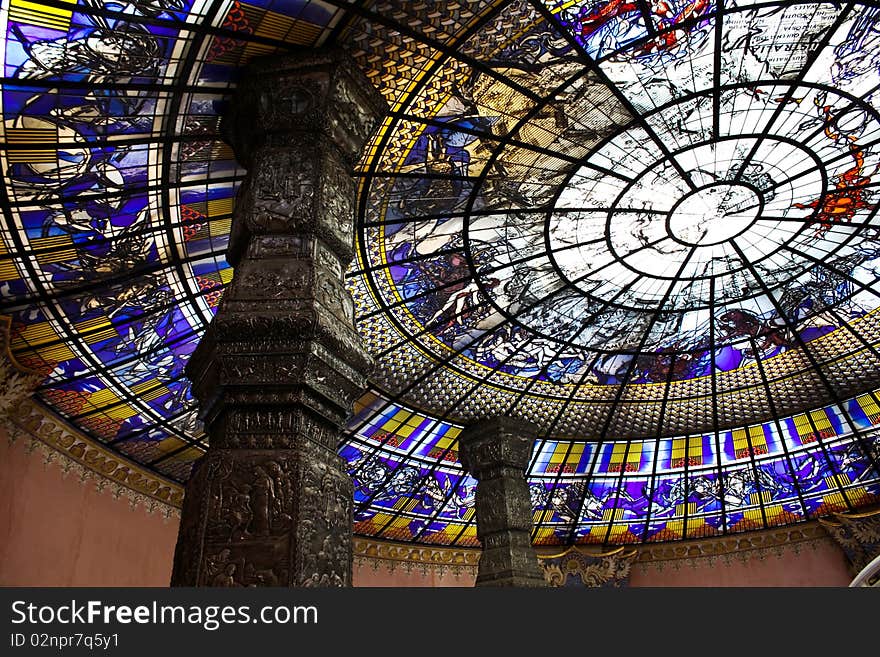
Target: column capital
<point>309,94</point>
<point>495,443</point>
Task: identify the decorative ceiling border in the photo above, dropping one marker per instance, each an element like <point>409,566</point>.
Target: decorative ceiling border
<point>74,451</point>
<point>26,418</point>
<point>740,547</point>
<point>377,553</point>
<point>80,454</point>
<point>77,453</point>
<point>858,535</point>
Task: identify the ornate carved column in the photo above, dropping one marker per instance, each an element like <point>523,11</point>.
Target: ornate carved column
<point>281,364</point>
<point>496,452</point>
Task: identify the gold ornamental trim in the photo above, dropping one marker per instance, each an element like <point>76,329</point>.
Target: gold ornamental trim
<point>858,535</point>
<point>592,567</point>
<point>837,519</point>
<point>410,556</point>
<point>59,441</point>
<point>78,453</point>
<point>743,547</point>
<point>81,454</point>
<point>622,551</point>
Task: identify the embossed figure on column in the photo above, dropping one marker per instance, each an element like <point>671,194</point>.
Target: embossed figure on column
<point>496,452</point>
<point>278,369</point>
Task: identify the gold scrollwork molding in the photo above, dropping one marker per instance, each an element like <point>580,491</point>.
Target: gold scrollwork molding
<point>592,568</point>
<point>76,453</point>
<point>26,419</point>
<point>736,547</point>
<point>389,555</point>
<point>58,442</point>
<point>858,535</point>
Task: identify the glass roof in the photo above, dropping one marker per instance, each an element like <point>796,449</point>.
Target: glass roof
<point>649,227</point>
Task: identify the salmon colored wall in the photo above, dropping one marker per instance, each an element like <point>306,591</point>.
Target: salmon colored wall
<point>59,531</point>
<point>821,563</point>
<point>817,564</point>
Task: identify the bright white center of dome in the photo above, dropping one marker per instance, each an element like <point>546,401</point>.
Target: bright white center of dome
<point>712,215</point>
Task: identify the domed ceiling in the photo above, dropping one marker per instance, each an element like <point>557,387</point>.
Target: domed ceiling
<point>648,227</point>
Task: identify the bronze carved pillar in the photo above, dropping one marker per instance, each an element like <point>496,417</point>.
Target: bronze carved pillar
<point>496,452</point>
<point>281,364</point>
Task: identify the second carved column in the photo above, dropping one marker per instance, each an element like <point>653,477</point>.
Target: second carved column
<point>496,452</point>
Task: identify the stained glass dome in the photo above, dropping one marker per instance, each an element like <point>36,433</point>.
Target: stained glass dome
<point>648,227</point>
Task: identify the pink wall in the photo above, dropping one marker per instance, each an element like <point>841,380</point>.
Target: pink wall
<point>59,531</point>
<point>821,563</point>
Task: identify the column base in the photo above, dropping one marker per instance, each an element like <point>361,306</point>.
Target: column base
<point>508,559</point>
